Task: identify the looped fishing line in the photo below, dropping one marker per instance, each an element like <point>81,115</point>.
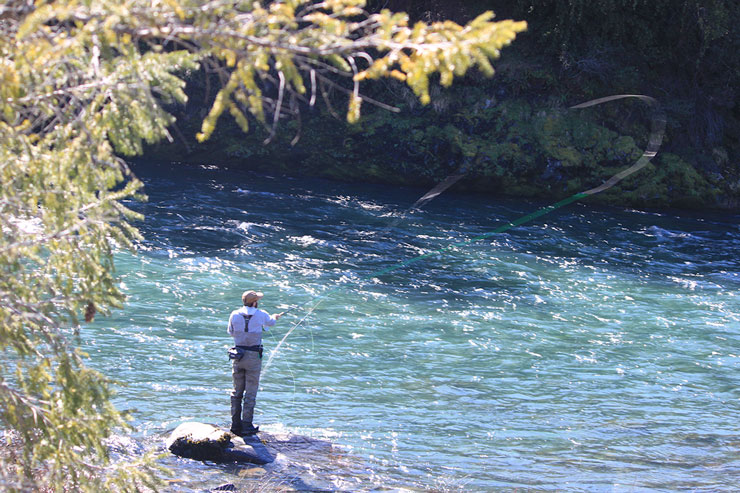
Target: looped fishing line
<point>431,195</point>
<point>657,131</point>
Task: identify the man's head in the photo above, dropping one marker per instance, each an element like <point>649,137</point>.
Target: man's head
<point>250,298</point>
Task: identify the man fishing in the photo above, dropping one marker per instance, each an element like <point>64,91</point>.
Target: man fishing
<point>245,326</point>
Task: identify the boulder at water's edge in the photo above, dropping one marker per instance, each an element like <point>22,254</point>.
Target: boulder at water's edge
<point>207,442</point>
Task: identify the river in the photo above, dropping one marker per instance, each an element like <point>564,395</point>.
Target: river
<point>594,349</point>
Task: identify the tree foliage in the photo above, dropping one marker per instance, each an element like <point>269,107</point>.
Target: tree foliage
<point>83,82</point>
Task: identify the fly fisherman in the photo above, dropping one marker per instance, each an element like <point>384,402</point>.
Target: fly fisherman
<point>246,325</point>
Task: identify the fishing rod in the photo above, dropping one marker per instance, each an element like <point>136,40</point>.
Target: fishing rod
<point>295,307</point>
<point>657,131</point>
<point>285,312</point>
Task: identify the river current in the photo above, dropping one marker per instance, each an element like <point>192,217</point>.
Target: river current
<point>594,349</point>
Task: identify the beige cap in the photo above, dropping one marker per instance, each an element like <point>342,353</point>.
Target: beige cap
<point>249,297</point>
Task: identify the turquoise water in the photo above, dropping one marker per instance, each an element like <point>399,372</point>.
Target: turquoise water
<point>593,350</point>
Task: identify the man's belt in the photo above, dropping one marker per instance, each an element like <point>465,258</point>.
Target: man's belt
<point>257,348</point>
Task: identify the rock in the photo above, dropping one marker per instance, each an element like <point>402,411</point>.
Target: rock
<point>207,442</point>
<point>225,487</point>
<point>252,472</point>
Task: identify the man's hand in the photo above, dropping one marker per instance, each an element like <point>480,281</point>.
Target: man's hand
<point>277,317</point>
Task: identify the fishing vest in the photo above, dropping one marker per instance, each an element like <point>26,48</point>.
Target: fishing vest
<point>246,337</point>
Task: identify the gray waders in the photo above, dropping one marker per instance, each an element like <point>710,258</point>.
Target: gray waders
<point>246,374</point>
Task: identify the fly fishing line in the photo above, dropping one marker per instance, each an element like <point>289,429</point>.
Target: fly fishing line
<point>430,195</point>
<point>657,131</point>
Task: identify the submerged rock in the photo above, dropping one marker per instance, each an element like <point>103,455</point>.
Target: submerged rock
<point>225,487</point>
<point>207,442</point>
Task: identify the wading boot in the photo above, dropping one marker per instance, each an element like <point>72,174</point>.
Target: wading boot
<point>249,429</point>
<point>247,415</point>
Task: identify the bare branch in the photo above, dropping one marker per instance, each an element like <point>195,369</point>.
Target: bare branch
<point>278,105</point>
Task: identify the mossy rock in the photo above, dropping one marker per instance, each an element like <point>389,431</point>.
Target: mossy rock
<point>207,442</point>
